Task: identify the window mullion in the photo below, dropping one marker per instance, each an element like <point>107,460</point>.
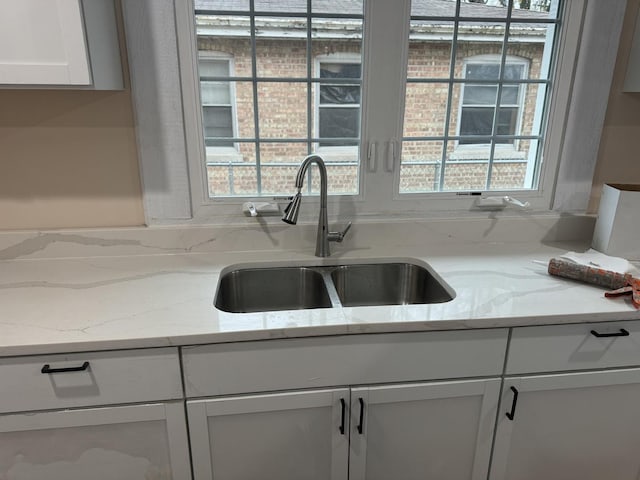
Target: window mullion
<point>384,72</point>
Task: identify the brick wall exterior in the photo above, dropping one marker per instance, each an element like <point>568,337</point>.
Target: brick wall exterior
<point>283,114</point>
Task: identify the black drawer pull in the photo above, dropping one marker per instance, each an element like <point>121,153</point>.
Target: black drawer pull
<point>621,333</point>
<point>47,368</point>
<point>361,420</point>
<point>514,402</point>
<point>342,415</point>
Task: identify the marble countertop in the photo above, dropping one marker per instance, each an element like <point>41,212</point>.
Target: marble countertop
<point>112,301</point>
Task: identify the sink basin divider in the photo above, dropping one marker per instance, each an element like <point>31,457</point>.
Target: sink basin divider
<point>331,288</point>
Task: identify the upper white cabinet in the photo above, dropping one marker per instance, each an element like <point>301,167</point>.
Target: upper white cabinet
<point>60,43</point>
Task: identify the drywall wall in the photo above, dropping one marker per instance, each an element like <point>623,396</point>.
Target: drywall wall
<point>68,158</point>
<point>619,153</point>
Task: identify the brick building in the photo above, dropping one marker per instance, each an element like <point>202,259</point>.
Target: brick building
<point>303,95</point>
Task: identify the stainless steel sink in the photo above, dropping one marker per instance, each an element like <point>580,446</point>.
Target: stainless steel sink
<point>387,284</point>
<point>268,288</point>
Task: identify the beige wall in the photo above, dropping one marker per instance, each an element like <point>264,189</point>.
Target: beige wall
<point>619,155</point>
<point>68,158</point>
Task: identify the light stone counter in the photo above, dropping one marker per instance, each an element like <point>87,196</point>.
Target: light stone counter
<point>82,291</point>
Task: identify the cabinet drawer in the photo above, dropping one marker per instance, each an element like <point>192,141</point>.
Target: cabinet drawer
<point>573,347</point>
<point>342,360</point>
<point>97,378</point>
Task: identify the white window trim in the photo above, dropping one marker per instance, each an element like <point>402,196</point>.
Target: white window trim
<point>583,78</point>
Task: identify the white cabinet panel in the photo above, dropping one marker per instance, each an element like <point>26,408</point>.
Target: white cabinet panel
<point>555,348</point>
<point>126,443</point>
<point>273,365</point>
<point>289,436</point>
<point>71,43</point>
<point>100,378</point>
<point>434,431</point>
<point>580,426</point>
<point>43,42</point>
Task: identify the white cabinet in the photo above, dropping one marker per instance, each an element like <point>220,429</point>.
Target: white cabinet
<point>582,426</point>
<point>439,431</point>
<point>132,442</point>
<point>426,431</point>
<point>138,432</point>
<point>59,43</point>
<point>289,436</point>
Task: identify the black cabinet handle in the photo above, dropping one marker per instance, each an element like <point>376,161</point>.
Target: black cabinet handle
<point>47,369</point>
<point>360,422</point>
<point>342,417</point>
<point>511,414</point>
<point>621,333</point>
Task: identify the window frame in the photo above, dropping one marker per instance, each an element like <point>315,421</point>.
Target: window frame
<point>161,60</point>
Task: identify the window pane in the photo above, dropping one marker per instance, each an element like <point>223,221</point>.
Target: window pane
<point>232,172</point>
<point>430,59</point>
<point>476,121</point>
<point>347,7</point>
<point>339,94</point>
<point>339,123</point>
<point>340,70</point>
<point>468,174</point>
<point>214,68</point>
<point>235,5</point>
<point>298,6</point>
<point>215,93</point>
<point>538,61</point>
<point>217,123</point>
<point>425,109</point>
<point>420,166</point>
<point>509,95</point>
<point>282,110</point>
<point>482,71</point>
<point>480,95</point>
<point>281,45</point>
<point>506,123</point>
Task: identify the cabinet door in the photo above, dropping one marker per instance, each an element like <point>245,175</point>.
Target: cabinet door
<point>437,431</point>
<point>43,42</point>
<point>582,426</point>
<point>291,436</point>
<point>125,443</point>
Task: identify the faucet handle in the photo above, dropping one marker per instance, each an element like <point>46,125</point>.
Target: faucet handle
<point>339,236</point>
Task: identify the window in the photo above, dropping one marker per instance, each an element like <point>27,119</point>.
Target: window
<point>417,107</point>
<point>339,104</point>
<point>478,106</point>
<point>217,102</point>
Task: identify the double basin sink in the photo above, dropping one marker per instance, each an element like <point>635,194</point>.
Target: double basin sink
<point>264,288</point>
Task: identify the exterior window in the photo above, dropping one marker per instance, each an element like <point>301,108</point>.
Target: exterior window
<point>217,106</point>
<point>476,79</point>
<point>479,105</point>
<point>339,105</point>
<point>287,104</point>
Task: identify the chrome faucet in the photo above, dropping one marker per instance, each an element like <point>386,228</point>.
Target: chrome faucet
<point>324,236</point>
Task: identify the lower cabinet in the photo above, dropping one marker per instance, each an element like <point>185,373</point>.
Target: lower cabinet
<point>414,431</point>
<point>133,442</point>
<point>582,426</point>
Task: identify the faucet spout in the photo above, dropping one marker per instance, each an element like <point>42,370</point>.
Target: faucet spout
<point>291,212</point>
